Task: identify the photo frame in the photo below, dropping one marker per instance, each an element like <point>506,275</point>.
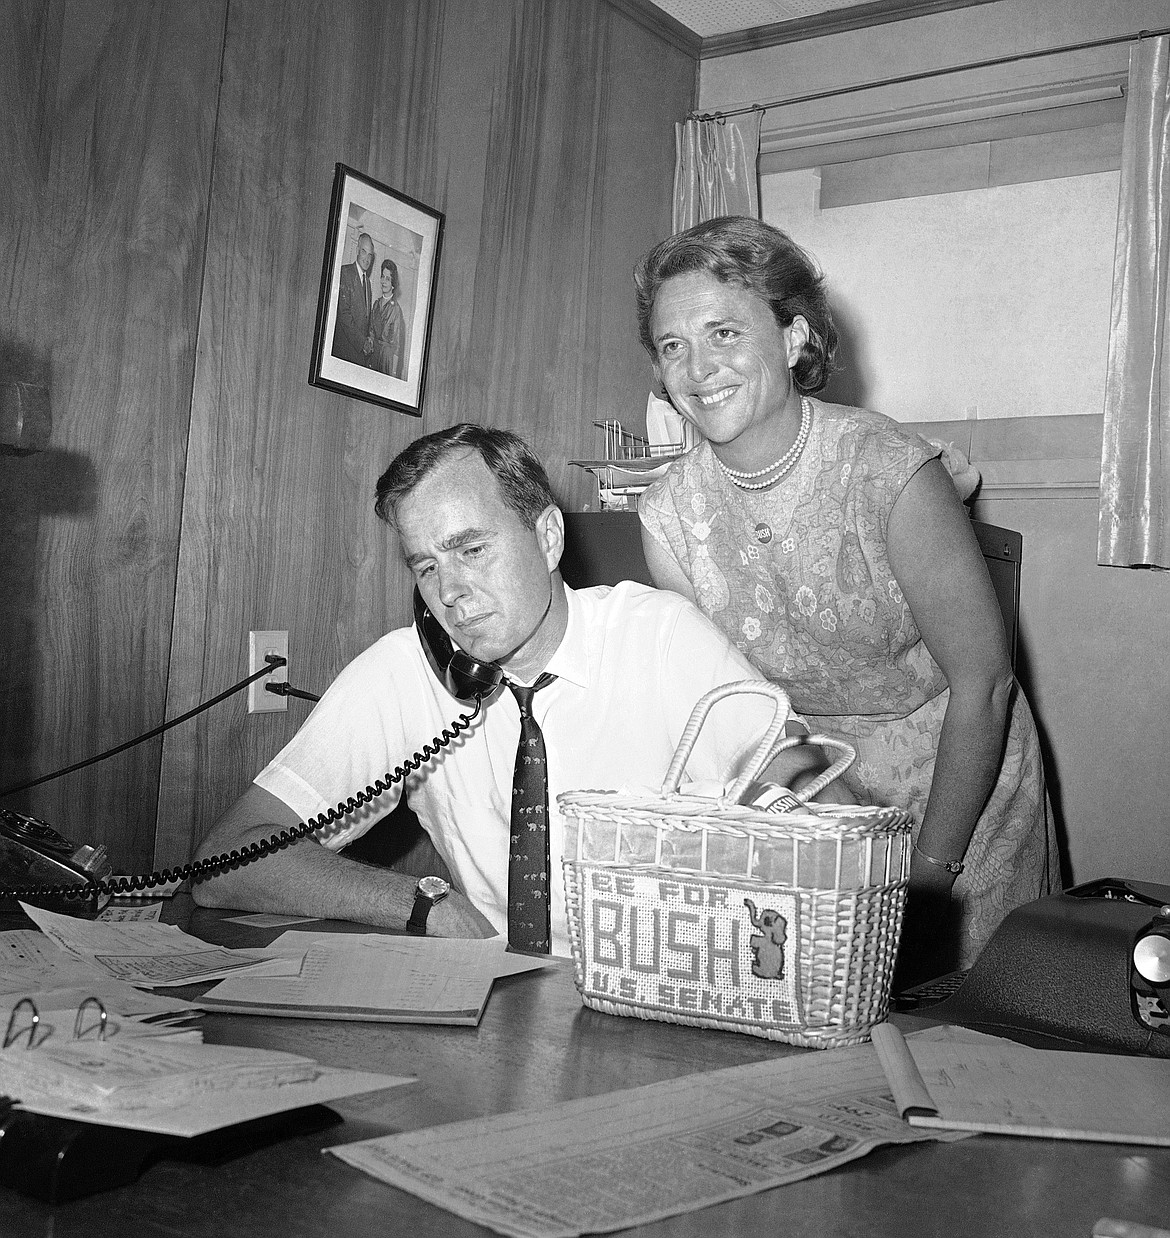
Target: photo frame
<point>378,281</point>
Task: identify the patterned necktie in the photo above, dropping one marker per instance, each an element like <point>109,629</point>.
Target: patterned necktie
<point>528,858</point>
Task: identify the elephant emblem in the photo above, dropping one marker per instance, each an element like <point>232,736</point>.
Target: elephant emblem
<point>767,942</point>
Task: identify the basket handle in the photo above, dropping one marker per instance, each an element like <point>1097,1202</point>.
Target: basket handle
<point>758,687</point>
<point>816,785</point>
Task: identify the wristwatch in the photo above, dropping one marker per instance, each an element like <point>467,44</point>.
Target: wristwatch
<point>428,892</point>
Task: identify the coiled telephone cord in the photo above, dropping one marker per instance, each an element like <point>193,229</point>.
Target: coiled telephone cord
<point>198,870</point>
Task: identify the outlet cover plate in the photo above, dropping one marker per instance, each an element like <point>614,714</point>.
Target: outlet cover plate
<point>259,645</point>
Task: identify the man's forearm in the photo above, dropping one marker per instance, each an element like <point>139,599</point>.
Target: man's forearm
<point>308,879</point>
<point>303,879</point>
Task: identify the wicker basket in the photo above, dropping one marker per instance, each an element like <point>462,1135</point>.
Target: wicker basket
<point>715,914</point>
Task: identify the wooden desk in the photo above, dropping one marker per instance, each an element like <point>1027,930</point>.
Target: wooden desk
<point>537,1045</point>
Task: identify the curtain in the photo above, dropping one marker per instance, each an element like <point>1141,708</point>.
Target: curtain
<point>715,172</point>
<point>1134,524</point>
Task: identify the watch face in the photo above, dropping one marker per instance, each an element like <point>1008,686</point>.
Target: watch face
<point>433,887</point>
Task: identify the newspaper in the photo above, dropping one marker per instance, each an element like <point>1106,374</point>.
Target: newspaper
<point>628,1158</point>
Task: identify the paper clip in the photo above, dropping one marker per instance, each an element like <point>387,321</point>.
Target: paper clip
<point>96,1028</point>
<point>80,1031</point>
<point>14,1033</point>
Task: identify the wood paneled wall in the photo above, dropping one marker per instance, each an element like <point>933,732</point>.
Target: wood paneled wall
<point>107,118</point>
<point>164,212</point>
<point>543,130</point>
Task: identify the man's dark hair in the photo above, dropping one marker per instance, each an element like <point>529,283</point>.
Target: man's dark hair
<point>739,250</point>
<point>521,475</point>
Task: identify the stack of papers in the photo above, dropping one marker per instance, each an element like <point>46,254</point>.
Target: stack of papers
<point>370,976</point>
<point>148,1075</point>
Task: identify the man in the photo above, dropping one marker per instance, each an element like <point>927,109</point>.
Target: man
<point>354,297</point>
<point>483,536</point>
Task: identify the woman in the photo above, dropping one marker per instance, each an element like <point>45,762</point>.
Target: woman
<point>387,343</point>
<point>831,547</point>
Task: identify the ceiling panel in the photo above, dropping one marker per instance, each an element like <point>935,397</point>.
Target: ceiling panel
<point>712,17</point>
<point>724,27</point>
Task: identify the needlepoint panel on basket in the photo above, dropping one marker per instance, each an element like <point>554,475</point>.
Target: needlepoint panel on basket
<point>689,948</point>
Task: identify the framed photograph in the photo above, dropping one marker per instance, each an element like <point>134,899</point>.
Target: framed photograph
<point>377,294</point>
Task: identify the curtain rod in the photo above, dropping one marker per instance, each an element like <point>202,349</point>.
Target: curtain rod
<point>927,73</point>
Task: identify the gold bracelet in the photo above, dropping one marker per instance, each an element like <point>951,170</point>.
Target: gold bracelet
<point>954,867</point>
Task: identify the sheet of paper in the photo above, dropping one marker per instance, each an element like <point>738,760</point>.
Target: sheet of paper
<point>31,963</point>
<point>371,976</point>
<point>131,911</point>
<point>489,954</point>
<point>147,954</point>
<point>999,1086</point>
<point>30,960</point>
<point>632,1157</point>
<point>506,964</point>
<point>173,1088</point>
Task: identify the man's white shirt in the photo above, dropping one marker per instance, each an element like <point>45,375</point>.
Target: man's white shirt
<point>631,666</point>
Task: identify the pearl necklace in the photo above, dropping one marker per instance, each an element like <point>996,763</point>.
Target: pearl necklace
<point>773,472</point>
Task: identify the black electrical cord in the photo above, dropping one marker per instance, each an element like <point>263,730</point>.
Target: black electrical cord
<point>286,689</point>
<point>274,660</point>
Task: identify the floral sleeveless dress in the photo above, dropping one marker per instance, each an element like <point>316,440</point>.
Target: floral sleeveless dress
<point>798,579</point>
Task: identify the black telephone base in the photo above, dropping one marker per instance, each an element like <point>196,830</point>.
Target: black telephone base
<point>56,1159</point>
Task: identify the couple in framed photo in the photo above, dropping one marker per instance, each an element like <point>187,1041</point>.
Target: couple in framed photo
<point>377,294</point>
<point>371,328</point>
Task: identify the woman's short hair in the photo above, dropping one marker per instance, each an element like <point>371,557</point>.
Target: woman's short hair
<point>513,463</point>
<point>762,259</point>
<point>389,263</point>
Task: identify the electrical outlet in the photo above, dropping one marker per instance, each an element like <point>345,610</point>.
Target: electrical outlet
<point>260,644</point>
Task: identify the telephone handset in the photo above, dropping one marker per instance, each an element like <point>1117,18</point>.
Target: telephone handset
<point>465,677</point>
<point>41,867</point>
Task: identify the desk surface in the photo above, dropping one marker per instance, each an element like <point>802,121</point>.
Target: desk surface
<point>536,1045</point>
